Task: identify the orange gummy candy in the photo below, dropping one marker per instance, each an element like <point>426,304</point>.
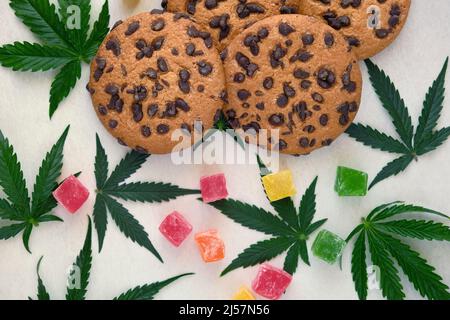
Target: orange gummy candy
<point>210,245</point>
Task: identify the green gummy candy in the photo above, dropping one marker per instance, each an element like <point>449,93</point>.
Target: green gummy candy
<point>328,246</point>
<point>350,182</point>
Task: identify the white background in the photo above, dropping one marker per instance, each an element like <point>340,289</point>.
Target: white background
<point>413,61</point>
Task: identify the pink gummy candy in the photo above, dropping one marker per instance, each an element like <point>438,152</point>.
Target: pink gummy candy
<point>271,282</point>
<point>175,228</point>
<point>71,194</point>
<point>213,188</point>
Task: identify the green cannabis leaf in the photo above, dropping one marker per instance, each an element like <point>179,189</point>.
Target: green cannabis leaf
<point>411,145</point>
<point>79,278</point>
<point>385,248</point>
<point>290,230</point>
<point>17,207</point>
<point>115,187</point>
<point>65,47</point>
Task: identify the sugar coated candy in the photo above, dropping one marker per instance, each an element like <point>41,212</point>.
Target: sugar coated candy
<point>279,185</point>
<point>271,282</point>
<point>350,182</point>
<point>71,194</point>
<point>175,228</point>
<point>214,188</point>
<point>243,294</point>
<point>328,246</point>
<point>210,245</point>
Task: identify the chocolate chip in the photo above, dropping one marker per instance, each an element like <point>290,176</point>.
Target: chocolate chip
<point>102,110</point>
<point>204,68</point>
<point>111,89</point>
<point>146,131</point>
<point>328,39</point>
<point>381,33</point>
<point>182,105</point>
<point>162,64</point>
<point>136,109</point>
<point>101,63</point>
<point>268,83</point>
<point>260,106</point>
<point>263,33</point>
<point>309,129</point>
<point>344,119</point>
<point>158,24</point>
<point>152,110</point>
<point>323,120</point>
<point>282,101</point>
<point>317,97</point>
<point>132,28</point>
<point>305,84</point>
<point>325,78</point>
<point>304,142</point>
<point>301,74</point>
<point>288,90</point>
<point>239,77</point>
<point>276,119</point>
<point>307,39</point>
<point>113,124</point>
<point>157,43</point>
<point>285,29</point>
<point>243,94</point>
<point>171,109</point>
<point>162,128</point>
<point>114,46</point>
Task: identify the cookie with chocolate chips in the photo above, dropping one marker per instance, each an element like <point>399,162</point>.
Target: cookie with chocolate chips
<point>156,73</point>
<point>368,25</point>
<point>225,19</point>
<point>292,74</point>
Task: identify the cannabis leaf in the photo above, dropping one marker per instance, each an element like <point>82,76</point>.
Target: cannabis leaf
<point>411,145</point>
<point>385,248</point>
<point>289,229</point>
<point>16,207</point>
<point>79,278</point>
<point>66,41</point>
<point>115,187</point>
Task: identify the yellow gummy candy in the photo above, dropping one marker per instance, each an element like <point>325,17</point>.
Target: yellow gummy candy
<point>243,294</point>
<point>279,185</point>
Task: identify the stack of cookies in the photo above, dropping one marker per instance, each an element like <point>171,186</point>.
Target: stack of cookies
<point>285,66</point>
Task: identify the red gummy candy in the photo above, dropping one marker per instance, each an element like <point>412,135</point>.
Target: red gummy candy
<point>175,228</point>
<point>71,194</point>
<point>214,188</point>
<point>271,282</point>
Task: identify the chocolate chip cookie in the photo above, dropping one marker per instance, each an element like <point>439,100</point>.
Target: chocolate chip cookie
<point>293,74</point>
<point>156,73</point>
<point>368,25</point>
<point>225,19</point>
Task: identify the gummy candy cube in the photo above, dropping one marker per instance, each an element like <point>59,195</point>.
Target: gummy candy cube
<point>175,228</point>
<point>213,188</point>
<point>243,294</point>
<point>210,245</point>
<point>271,282</point>
<point>328,246</point>
<point>350,182</point>
<point>279,185</point>
<point>71,194</point>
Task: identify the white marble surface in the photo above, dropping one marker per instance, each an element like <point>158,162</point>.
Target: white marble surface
<point>413,61</point>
